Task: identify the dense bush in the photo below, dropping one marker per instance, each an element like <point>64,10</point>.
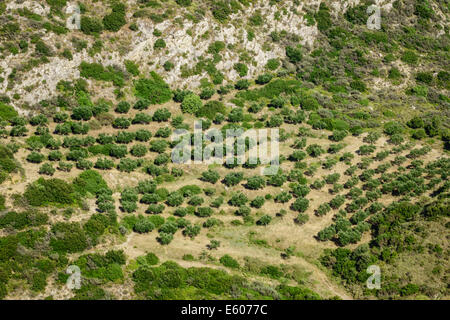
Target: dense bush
<point>68,237</point>
<point>210,176</point>
<point>43,192</point>
<point>300,205</point>
<point>123,107</point>
<point>35,157</point>
<point>314,150</point>
<point>241,69</point>
<point>229,262</point>
<point>159,44</point>
<point>191,104</point>
<point>90,25</point>
<point>161,115</point>
<point>138,150</point>
<point>89,181</point>
<point>294,54</point>
<point>264,220</point>
<point>7,112</point>
<point>255,183</point>
<point>154,89</point>
<point>116,19</point>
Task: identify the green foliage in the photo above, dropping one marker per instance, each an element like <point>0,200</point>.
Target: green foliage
<point>255,183</point>
<point>153,89</point>
<point>7,112</point>
<point>159,44</point>
<point>123,107</point>
<point>410,57</point>
<point>21,220</point>
<point>44,192</point>
<point>47,169</point>
<point>143,225</point>
<point>211,109</point>
<point>116,19</point>
<point>233,178</point>
<point>221,10</point>
<point>210,176</point>
<point>131,67</point>
<point>89,181</point>
<point>191,103</point>
<point>241,69</point>
<point>98,72</point>
<point>191,231</point>
<point>68,237</point>
<point>264,220</point>
<point>229,262</point>
<point>423,9</point>
<point>272,64</point>
<point>393,127</point>
<point>161,115</point>
<point>90,25</point>
<point>294,54</point>
<point>302,218</point>
<point>323,18</point>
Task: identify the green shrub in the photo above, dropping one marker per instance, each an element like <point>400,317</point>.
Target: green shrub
<point>159,44</point>
<point>302,218</point>
<point>90,25</point>
<point>123,107</point>
<point>210,176</point>
<point>229,262</point>
<point>221,10</point>
<point>165,238</point>
<point>151,259</point>
<point>47,169</point>
<point>204,212</point>
<point>143,226</point>
<point>272,271</point>
<point>191,231</point>
<point>314,150</point>
<point>131,67</point>
<point>127,165</point>
<point>89,181</point>
<point>423,9</point>
<point>98,72</point>
<point>410,57</point>
<point>191,104</point>
<point>161,115</point>
<point>323,18</point>
<point>7,112</point>
<point>272,64</point>
<point>68,237</point>
<point>153,89</point>
<point>264,220</point>
<point>294,54</point>
<point>393,127</point>
<point>255,183</point>
<point>42,192</point>
<point>141,104</point>
<point>300,205</point>
<point>216,47</point>
<point>35,157</point>
<point>241,69</point>
<point>263,79</point>
<point>116,19</point>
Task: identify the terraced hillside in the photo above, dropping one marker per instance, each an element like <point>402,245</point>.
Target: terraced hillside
<point>88,129</point>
